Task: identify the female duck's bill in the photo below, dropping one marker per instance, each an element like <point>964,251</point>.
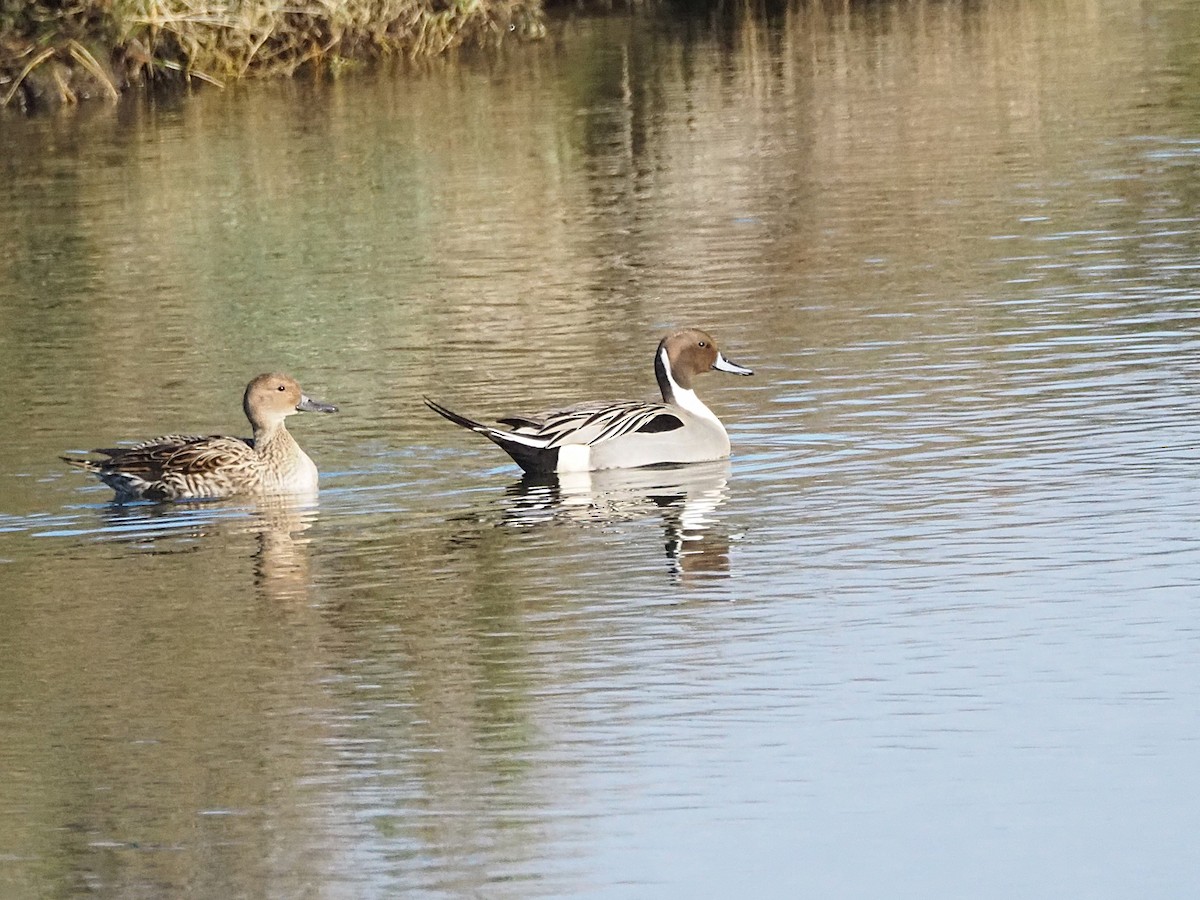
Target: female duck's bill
<point>213,467</point>
<point>622,434</point>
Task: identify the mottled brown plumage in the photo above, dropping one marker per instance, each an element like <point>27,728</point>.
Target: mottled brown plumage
<point>212,467</point>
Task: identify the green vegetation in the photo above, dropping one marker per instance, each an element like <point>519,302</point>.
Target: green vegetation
<point>59,51</point>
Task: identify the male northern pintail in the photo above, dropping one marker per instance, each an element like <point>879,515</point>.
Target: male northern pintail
<point>625,433</point>
<point>189,467</point>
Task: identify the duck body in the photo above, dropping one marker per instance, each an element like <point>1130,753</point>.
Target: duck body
<point>214,467</point>
<point>623,433</point>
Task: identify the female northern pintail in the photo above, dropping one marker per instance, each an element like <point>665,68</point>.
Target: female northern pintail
<point>188,467</point>
<point>625,433</point>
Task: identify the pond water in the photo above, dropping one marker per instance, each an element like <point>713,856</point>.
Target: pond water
<point>933,630</point>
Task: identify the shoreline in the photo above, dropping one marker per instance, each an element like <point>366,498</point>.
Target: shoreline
<point>103,49</point>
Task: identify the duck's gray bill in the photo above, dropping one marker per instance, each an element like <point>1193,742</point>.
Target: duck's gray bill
<point>724,365</point>
<point>308,404</point>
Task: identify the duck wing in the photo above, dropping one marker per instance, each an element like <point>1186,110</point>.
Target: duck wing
<point>190,454</point>
<point>594,423</point>
<point>167,440</point>
<point>176,467</point>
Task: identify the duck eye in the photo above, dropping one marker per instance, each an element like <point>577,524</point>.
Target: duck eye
<point>702,344</point>
<point>282,387</point>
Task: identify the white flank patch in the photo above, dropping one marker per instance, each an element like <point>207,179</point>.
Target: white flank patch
<point>574,458</point>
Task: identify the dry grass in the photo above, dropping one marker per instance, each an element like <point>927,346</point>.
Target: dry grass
<point>44,46</point>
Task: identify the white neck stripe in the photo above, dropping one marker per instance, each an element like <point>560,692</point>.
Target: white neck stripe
<point>693,404</point>
<point>685,397</point>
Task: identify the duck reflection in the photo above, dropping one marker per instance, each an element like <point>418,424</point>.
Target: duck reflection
<point>685,497</point>
<point>281,563</point>
<point>278,523</point>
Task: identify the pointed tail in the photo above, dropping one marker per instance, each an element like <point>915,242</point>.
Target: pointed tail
<point>455,417</point>
<point>88,465</point>
<point>530,453</point>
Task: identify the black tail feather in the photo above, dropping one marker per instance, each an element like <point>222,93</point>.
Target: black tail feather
<point>455,417</point>
<point>535,460</point>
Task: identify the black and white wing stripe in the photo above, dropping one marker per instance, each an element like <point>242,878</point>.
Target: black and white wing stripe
<point>596,423</point>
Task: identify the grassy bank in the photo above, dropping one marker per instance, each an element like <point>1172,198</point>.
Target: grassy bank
<point>61,51</point>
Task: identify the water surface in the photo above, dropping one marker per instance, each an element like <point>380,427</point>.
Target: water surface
<point>930,632</point>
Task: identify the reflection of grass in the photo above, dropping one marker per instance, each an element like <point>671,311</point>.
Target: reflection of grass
<point>45,55</point>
